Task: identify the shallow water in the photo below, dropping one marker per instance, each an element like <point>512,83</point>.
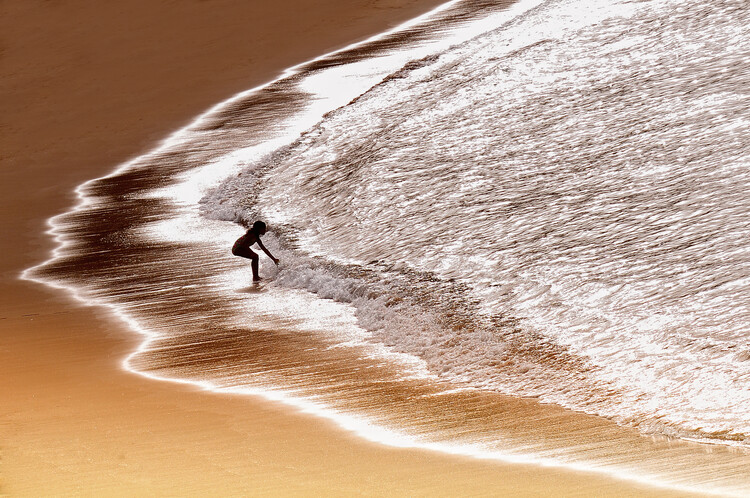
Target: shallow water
<point>480,212</point>
<point>585,175</point>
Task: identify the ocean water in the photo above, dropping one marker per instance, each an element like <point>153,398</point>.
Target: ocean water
<point>490,220</point>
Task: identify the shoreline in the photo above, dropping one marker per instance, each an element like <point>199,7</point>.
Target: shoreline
<point>55,410</point>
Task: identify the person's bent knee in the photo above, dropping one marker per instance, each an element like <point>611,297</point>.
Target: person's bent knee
<point>245,253</point>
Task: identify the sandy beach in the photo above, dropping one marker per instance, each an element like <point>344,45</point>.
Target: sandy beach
<point>85,86</point>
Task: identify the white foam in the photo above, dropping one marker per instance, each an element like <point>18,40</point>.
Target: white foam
<point>627,242</point>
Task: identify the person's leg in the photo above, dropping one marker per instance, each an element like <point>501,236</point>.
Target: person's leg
<point>248,253</point>
<point>254,266</point>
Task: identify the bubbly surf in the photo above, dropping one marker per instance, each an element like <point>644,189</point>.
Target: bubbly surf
<point>546,201</point>
<point>586,176</point>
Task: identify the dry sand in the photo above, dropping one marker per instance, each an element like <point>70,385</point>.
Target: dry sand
<point>86,85</point>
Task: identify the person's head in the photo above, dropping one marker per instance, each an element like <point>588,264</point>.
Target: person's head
<point>259,227</point>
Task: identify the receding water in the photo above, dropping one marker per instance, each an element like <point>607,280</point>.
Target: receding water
<point>488,216</point>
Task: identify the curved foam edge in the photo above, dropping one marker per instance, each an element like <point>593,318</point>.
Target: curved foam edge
<point>357,425</point>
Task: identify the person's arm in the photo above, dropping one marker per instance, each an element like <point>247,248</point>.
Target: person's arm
<point>260,244</point>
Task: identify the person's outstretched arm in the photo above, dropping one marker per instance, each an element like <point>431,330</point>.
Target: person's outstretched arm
<point>276,261</point>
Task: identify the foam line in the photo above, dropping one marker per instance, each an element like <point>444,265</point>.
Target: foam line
<point>358,425</point>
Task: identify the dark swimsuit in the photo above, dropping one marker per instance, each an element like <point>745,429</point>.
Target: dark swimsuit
<point>242,248</point>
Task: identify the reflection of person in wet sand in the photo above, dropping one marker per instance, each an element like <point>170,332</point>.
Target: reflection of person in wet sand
<point>242,247</point>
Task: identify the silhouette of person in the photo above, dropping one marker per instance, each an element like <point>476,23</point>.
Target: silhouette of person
<point>242,247</point>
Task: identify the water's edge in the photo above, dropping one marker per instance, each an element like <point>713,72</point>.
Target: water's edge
<point>105,231</point>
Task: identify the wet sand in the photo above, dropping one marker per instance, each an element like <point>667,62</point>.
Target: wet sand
<point>85,86</point>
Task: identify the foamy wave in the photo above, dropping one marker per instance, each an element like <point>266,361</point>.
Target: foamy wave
<point>395,323</point>
<point>579,220</point>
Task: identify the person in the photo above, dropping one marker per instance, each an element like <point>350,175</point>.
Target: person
<point>242,247</point>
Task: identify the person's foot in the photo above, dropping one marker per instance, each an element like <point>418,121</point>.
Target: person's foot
<point>256,279</point>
